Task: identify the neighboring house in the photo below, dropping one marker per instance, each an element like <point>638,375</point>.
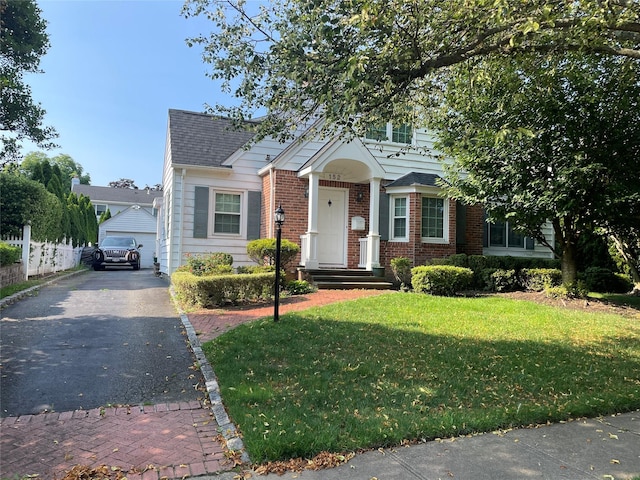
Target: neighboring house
<point>132,214</point>
<point>136,222</point>
<point>116,199</point>
<point>354,204</point>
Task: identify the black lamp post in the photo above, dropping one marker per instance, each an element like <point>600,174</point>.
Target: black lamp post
<point>279,219</point>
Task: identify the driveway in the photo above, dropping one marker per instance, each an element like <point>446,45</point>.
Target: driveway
<point>96,370</point>
<point>92,340</point>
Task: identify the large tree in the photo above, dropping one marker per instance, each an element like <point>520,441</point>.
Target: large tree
<point>540,138</point>
<point>68,167</point>
<point>23,41</point>
<point>363,61</point>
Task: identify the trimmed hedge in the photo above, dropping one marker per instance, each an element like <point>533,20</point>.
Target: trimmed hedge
<point>263,251</point>
<point>444,280</point>
<point>9,254</point>
<point>216,263</point>
<point>218,290</point>
<point>481,264</point>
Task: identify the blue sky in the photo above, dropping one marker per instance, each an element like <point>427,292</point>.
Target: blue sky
<point>113,70</point>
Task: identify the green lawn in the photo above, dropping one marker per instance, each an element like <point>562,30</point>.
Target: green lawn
<point>376,371</point>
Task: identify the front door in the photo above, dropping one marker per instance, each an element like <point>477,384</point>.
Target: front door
<point>332,227</point>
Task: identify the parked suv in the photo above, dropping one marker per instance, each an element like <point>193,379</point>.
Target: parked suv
<point>117,251</point>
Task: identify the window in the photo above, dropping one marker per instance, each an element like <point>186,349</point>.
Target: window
<point>226,217</point>
<point>433,215</point>
<point>501,234</point>
<point>398,134</point>
<point>399,218</point>
<point>378,132</point>
<point>100,209</point>
<point>402,134</point>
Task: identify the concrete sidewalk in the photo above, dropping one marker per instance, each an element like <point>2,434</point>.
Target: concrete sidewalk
<point>607,448</point>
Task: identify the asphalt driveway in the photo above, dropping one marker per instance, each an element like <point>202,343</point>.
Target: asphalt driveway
<point>95,339</point>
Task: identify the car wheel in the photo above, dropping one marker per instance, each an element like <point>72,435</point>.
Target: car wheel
<point>98,267</point>
<point>136,266</point>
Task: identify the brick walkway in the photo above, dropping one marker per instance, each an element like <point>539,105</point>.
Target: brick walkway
<point>208,324</point>
<point>150,442</point>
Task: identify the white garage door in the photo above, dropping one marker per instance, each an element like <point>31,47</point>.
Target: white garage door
<point>148,241</point>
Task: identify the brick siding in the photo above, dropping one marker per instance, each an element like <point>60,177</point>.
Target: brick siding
<point>289,191</point>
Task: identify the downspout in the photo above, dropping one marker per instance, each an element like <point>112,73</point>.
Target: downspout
<point>182,174</point>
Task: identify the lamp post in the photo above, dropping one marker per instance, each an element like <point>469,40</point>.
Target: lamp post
<point>279,219</point>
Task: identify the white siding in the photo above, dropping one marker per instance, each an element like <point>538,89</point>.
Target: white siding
<point>241,178</point>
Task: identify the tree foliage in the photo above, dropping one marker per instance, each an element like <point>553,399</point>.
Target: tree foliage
<point>542,138</point>
<point>24,200</point>
<point>23,41</point>
<point>366,61</point>
<point>123,183</point>
<point>67,167</point>
<point>54,213</point>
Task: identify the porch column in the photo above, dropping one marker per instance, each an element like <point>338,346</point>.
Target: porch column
<point>310,255</point>
<point>373,238</point>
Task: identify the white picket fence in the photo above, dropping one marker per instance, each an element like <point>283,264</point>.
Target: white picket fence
<point>45,257</point>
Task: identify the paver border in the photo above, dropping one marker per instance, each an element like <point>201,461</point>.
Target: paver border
<point>227,428</point>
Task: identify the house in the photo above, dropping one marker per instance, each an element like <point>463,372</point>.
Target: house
<point>349,205</point>
<point>132,214</point>
<point>116,199</point>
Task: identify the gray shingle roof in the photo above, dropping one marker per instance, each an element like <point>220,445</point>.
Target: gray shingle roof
<point>415,178</point>
<point>120,195</point>
<point>203,140</point>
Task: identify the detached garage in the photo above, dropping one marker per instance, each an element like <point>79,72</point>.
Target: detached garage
<point>133,222</point>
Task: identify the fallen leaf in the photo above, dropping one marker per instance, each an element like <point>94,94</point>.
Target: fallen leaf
<point>612,436</point>
<point>614,461</point>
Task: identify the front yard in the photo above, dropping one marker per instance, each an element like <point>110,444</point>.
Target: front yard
<point>401,367</point>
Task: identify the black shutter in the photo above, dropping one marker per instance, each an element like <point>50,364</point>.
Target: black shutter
<point>253,215</point>
<point>201,213</point>
<point>529,244</point>
<point>383,218</point>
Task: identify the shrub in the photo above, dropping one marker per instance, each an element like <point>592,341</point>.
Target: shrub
<point>539,279</point>
<point>263,251</point>
<point>440,279</point>
<point>216,263</point>
<point>9,254</point>
<point>299,287</point>
<point>218,290</point>
<point>576,290</point>
<point>500,280</point>
<point>401,267</point>
<point>599,279</point>
<point>254,269</point>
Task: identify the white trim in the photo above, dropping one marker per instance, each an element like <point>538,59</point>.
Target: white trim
<point>444,240</point>
<point>392,217</point>
<point>389,134</point>
<point>212,213</point>
<point>202,168</point>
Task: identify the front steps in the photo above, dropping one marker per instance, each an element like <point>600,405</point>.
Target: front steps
<point>343,279</point>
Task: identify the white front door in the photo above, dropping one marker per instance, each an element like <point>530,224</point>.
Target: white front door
<point>332,227</point>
